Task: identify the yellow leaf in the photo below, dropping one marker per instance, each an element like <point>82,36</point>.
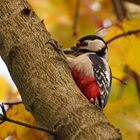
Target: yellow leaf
<point>3,88</point>
<point>123,111</point>
<point>124,51</point>
<point>19,113</point>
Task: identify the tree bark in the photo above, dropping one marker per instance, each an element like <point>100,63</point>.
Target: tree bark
<point>44,80</point>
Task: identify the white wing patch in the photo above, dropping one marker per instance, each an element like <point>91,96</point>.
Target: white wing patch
<point>83,64</point>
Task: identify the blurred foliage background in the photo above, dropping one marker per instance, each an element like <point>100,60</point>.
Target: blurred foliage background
<point>67,21</point>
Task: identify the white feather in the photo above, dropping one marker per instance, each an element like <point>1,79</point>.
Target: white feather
<point>95,45</point>
<point>83,64</point>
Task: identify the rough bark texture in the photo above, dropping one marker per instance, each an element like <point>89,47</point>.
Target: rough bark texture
<point>44,80</point>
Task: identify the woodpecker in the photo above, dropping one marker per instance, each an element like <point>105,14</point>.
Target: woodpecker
<point>90,69</point>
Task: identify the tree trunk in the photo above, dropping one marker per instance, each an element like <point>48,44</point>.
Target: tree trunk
<point>44,80</point>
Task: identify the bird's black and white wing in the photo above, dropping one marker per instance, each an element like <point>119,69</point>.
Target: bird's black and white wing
<point>102,74</point>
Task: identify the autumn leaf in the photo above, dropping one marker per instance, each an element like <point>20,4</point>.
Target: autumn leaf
<point>6,92</point>
<point>3,88</point>
<point>125,50</point>
<point>123,111</point>
<point>123,107</point>
<point>19,113</point>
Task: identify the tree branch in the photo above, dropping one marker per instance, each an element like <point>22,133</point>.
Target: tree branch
<point>12,103</point>
<point>121,81</point>
<point>44,79</point>
<point>123,34</point>
<point>3,118</point>
<point>137,80</point>
<point>76,16</point>
<point>119,9</point>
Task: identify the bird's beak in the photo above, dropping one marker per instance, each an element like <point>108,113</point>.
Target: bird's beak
<point>68,51</point>
<point>73,50</point>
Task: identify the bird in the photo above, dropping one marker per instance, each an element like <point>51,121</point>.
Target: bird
<point>90,69</point>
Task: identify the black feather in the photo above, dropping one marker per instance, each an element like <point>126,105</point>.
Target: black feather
<point>102,81</point>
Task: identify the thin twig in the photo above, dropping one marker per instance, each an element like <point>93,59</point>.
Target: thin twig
<point>101,29</point>
<point>106,27</point>
<point>12,103</point>
<point>137,80</point>
<point>121,81</point>
<point>76,16</point>
<point>3,118</point>
<point>123,34</point>
<point>119,9</point>
<point>28,125</point>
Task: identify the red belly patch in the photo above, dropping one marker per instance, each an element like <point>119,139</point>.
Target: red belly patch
<point>87,84</point>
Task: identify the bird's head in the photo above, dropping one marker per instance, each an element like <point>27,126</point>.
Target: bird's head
<point>91,43</point>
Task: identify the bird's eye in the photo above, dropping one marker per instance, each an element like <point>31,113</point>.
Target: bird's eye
<point>84,43</point>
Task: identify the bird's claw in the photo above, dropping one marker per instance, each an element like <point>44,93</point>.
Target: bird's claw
<point>57,47</point>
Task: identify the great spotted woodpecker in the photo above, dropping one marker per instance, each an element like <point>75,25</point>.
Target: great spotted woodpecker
<point>90,68</point>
